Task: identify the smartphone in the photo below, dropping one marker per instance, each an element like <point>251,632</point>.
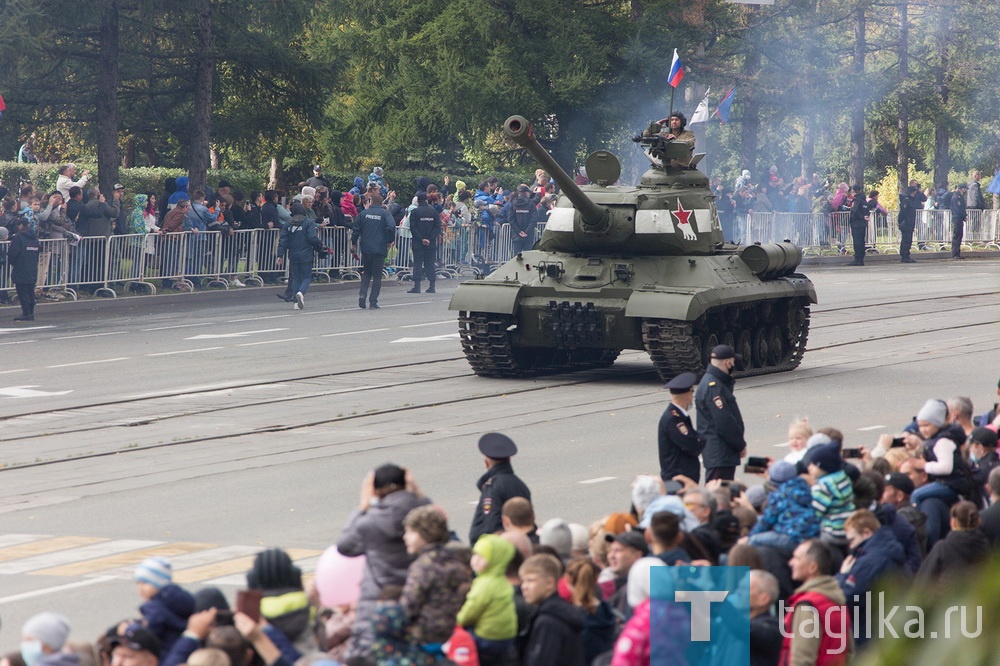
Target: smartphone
<point>851,453</point>
<point>897,442</point>
<point>284,200</point>
<point>248,603</point>
<point>755,461</point>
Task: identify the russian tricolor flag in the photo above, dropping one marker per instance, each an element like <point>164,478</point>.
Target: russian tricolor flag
<point>676,71</point>
<point>725,106</point>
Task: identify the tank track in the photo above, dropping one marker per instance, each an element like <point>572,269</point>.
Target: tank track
<point>771,335</point>
<point>486,341</point>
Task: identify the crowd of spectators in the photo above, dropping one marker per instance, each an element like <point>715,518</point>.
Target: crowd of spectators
<point>73,211</point>
<point>818,529</point>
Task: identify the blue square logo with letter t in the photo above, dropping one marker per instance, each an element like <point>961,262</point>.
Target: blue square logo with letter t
<point>699,616</point>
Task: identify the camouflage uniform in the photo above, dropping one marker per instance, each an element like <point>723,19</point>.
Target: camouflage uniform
<point>435,590</point>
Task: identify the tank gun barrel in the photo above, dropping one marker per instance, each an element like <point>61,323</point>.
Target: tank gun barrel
<point>596,218</point>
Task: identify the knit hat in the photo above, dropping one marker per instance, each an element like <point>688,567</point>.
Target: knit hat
<point>378,171</point>
<point>670,504</point>
<point>638,587</point>
<point>49,628</point>
<point>556,534</point>
<point>273,570</point>
<point>644,490</point>
<point>757,494</point>
<point>429,523</point>
<point>309,191</point>
<point>826,457</point>
<point>210,597</point>
<point>817,440</point>
<point>460,185</point>
<point>581,537</point>
<point>934,412</point>
<point>782,471</point>
<point>617,523</point>
<point>157,571</point>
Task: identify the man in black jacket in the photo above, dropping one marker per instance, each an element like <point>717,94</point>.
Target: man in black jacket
<point>858,221</point>
<point>522,217</point>
<point>765,634</point>
<point>720,423</point>
<point>425,227</point>
<point>496,486</point>
<point>679,442</point>
<point>909,203</point>
<point>23,257</point>
<point>958,216</point>
<point>300,241</point>
<point>377,231</point>
<point>554,635</point>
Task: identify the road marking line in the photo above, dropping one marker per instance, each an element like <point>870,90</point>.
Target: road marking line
<point>44,546</point>
<point>167,328</point>
<point>103,360</point>
<point>91,335</point>
<point>241,334</point>
<point>4,331</point>
<point>7,540</point>
<point>185,351</point>
<point>229,567</point>
<point>236,321</point>
<point>433,338</point>
<point>62,557</point>
<point>170,550</point>
<point>268,342</point>
<point>57,588</point>
<point>18,342</point>
<point>600,479</point>
<point>875,427</point>
<point>403,305</point>
<point>8,372</point>
<point>433,323</point>
<point>29,391</point>
<point>370,330</point>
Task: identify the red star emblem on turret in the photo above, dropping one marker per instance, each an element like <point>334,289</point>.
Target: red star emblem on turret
<point>683,222</point>
<point>681,214</point>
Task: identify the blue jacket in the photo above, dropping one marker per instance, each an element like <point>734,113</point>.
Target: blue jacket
<point>167,613</point>
<point>376,229</point>
<point>198,218</point>
<point>905,534</point>
<point>181,192</point>
<point>299,240</point>
<point>720,423</point>
<point>879,555</point>
<point>789,511</point>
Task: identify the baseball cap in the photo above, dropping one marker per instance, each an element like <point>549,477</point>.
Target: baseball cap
<point>137,638</point>
<point>119,186</point>
<point>900,481</point>
<point>631,538</point>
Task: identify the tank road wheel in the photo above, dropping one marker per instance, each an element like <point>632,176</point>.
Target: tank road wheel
<point>711,341</point>
<point>672,347</point>
<point>798,334</point>
<point>486,341</point>
<point>775,345</point>
<point>729,338</point>
<point>744,348</point>
<point>758,346</point>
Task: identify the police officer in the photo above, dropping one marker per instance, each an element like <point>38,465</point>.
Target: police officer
<point>719,421</point>
<point>425,227</point>
<point>679,442</point>
<point>497,485</point>
<point>858,221</point>
<point>522,220</point>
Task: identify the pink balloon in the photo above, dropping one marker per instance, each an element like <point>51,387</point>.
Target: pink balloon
<point>338,578</point>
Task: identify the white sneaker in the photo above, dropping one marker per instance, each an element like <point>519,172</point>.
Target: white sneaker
<point>296,307</point>
<point>236,283</point>
<point>300,301</point>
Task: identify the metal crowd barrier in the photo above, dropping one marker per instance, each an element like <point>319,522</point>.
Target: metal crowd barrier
<point>148,262</point>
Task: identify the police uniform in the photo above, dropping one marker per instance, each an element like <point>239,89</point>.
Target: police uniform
<point>679,442</point>
<point>496,486</point>
<point>720,423</point>
<point>522,219</point>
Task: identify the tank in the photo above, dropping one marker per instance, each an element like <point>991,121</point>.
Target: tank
<point>634,267</point>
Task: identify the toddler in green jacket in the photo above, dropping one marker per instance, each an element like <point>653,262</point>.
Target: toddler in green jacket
<point>488,611</point>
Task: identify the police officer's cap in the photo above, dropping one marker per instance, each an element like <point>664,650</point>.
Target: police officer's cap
<point>497,446</point>
<point>722,352</point>
<point>682,383</point>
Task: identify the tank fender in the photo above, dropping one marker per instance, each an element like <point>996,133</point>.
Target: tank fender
<point>481,296</point>
<point>682,305</point>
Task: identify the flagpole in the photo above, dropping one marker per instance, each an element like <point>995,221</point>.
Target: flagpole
<point>672,90</point>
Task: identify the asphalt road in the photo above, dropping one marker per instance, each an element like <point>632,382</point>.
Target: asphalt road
<point>208,426</point>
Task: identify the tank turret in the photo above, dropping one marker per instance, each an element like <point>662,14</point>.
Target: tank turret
<point>595,218</point>
<point>634,267</point>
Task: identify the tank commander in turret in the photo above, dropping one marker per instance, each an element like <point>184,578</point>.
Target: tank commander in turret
<point>673,129</point>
